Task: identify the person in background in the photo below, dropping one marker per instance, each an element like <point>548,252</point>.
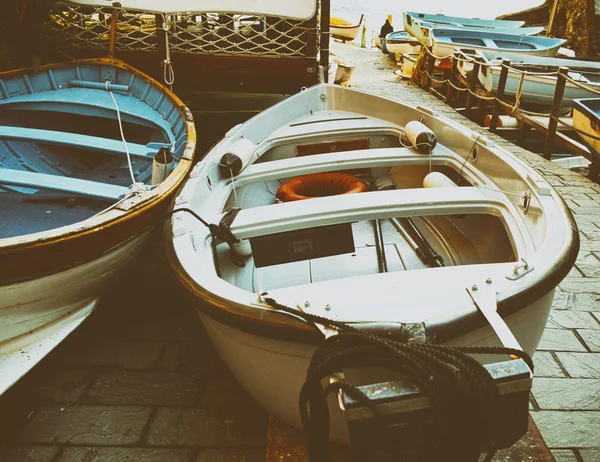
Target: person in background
<point>385,29</point>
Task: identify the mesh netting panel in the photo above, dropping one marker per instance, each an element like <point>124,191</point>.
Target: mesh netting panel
<point>220,34</point>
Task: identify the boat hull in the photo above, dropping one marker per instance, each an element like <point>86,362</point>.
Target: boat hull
<point>586,117</point>
<point>36,315</point>
<point>273,371</point>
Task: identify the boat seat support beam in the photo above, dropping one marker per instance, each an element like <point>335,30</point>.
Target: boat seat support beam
<point>9,177</point>
<point>76,140</point>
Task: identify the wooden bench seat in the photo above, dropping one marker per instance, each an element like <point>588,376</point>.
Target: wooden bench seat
<point>9,177</point>
<point>323,211</point>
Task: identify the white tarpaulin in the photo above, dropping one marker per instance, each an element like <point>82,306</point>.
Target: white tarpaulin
<point>295,9</point>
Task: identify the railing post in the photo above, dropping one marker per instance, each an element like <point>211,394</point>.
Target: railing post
<point>112,41</point>
<point>553,122</point>
<point>430,66</point>
<point>324,39</point>
<point>499,94</point>
<point>472,84</point>
<point>451,78</point>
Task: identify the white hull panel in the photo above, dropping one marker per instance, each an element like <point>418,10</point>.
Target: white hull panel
<point>37,315</point>
<point>273,371</point>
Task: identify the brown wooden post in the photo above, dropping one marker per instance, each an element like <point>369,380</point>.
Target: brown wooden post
<point>499,94</point>
<point>112,42</point>
<point>429,66</point>
<point>161,44</point>
<point>472,84</point>
<point>324,45</point>
<point>451,79</point>
<point>553,122</point>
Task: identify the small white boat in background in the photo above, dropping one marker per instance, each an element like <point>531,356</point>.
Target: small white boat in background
<point>78,199</point>
<point>344,30</point>
<point>446,41</point>
<point>400,42</point>
<point>340,203</point>
<point>539,89</point>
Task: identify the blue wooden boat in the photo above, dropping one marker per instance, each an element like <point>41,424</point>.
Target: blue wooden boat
<point>90,154</point>
<point>420,29</point>
<point>411,25</point>
<point>445,41</point>
<point>586,117</point>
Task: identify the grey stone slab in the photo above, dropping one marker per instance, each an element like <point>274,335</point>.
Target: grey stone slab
<point>224,391</point>
<point>546,366</point>
<point>213,427</point>
<point>93,425</point>
<point>591,338</point>
<point>564,455</point>
<point>63,386</point>
<point>581,286</point>
<point>590,455</point>
<point>588,263</point>
<point>560,340</point>
<point>568,429</point>
<point>127,354</point>
<point>576,301</point>
<point>581,365</point>
<point>145,388</point>
<point>191,357</point>
<point>575,273</point>
<point>172,330</point>
<point>587,203</point>
<point>27,453</point>
<point>572,320</point>
<point>125,454</point>
<point>232,455</point>
<point>596,315</point>
<point>566,394</point>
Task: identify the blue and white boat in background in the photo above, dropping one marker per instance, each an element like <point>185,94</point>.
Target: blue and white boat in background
<point>445,41</point>
<point>412,21</point>
<point>91,153</point>
<point>421,30</point>
<point>538,89</point>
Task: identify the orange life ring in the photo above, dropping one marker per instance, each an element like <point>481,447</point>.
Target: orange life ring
<point>319,185</point>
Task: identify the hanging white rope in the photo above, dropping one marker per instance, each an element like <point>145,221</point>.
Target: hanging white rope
<point>169,73</point>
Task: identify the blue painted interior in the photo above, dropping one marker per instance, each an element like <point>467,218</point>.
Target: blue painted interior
<point>60,144</point>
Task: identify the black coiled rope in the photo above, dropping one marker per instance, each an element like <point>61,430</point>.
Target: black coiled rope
<point>465,399</point>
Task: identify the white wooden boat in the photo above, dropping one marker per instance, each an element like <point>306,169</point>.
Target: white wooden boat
<point>487,217</point>
<point>421,30</point>
<point>586,117</point>
<point>73,217</point>
<point>446,41</point>
<point>344,30</point>
<point>539,89</point>
<point>407,64</point>
<point>400,42</point>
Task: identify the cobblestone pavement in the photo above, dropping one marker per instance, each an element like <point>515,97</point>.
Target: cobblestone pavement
<point>140,382</point>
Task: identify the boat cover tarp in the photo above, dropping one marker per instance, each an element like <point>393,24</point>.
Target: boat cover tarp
<point>297,9</point>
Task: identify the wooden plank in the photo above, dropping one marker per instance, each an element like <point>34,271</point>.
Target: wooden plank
<point>9,177</point>
<point>87,142</point>
<point>284,443</point>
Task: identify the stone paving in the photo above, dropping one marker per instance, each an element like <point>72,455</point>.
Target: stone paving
<point>140,382</point>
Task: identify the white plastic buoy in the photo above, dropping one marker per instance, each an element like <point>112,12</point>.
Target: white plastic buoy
<point>420,136</point>
<point>162,165</point>
<point>438,180</point>
<point>237,157</point>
